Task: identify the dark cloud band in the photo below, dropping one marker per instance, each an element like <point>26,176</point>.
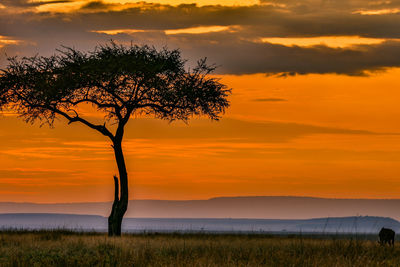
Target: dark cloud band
<point>238,50</point>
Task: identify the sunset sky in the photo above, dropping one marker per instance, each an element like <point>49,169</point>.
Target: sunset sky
<point>314,106</point>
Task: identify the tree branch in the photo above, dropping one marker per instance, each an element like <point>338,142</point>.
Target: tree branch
<point>99,105</point>
<point>100,128</point>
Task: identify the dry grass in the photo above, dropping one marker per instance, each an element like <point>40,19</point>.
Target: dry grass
<point>62,248</point>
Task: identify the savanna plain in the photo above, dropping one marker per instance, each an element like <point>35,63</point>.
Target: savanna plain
<point>65,248</point>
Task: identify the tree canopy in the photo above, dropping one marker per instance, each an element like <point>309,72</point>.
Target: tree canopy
<point>116,80</point>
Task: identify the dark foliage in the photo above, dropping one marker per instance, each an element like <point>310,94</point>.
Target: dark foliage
<point>117,80</point>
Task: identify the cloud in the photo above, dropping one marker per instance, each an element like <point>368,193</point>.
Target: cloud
<point>237,45</point>
<point>28,3</point>
<point>149,138</point>
<point>95,5</point>
<point>269,100</point>
<point>259,20</point>
<point>23,173</point>
<point>246,57</point>
<point>48,141</point>
<point>231,130</point>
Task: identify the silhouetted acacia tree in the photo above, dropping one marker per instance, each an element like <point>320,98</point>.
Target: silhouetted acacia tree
<point>118,81</point>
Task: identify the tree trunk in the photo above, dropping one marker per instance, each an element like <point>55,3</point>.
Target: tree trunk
<point>120,195</point>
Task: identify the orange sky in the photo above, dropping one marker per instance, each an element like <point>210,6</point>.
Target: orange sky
<point>306,144</point>
<point>326,134</point>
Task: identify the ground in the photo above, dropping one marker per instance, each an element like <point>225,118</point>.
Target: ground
<point>64,248</point>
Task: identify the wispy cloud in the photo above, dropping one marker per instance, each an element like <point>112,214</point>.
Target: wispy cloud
<point>269,99</point>
<point>378,11</point>
<point>329,41</point>
<point>30,3</point>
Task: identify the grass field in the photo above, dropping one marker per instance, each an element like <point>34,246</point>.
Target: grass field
<point>63,248</point>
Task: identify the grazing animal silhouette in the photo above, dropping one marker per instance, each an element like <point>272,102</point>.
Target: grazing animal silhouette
<point>386,236</point>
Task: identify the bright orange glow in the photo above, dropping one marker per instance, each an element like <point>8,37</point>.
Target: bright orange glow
<point>5,41</point>
<point>61,7</point>
<point>331,41</point>
<point>194,30</point>
<point>199,2</point>
<point>198,30</point>
<point>378,12</point>
<point>119,31</point>
<point>120,5</point>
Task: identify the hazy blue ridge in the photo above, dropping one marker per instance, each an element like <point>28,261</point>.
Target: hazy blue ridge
<point>336,225</point>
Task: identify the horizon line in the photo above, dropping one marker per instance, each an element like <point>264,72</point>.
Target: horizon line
<point>205,199</point>
<point>200,218</point>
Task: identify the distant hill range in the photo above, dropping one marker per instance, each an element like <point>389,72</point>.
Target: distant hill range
<point>343,225</point>
<point>227,207</point>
